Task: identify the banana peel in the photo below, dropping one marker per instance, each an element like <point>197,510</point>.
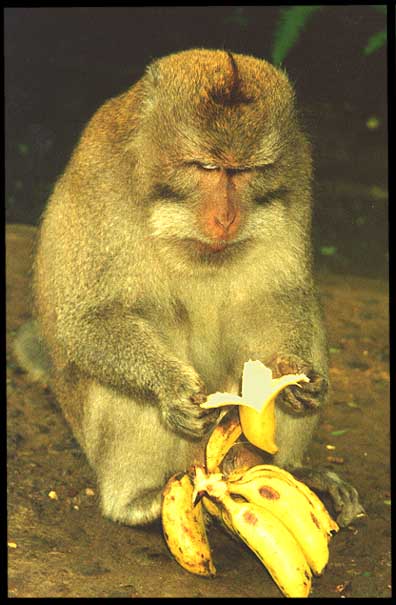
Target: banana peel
<point>257,402</point>
<point>221,439</point>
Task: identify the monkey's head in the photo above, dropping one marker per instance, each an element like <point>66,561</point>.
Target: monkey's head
<point>224,157</point>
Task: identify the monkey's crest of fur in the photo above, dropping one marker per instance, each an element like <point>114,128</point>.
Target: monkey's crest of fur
<point>232,103</point>
<point>221,77</point>
<point>229,89</point>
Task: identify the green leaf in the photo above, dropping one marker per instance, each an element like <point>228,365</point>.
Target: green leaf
<point>328,250</point>
<point>334,350</point>
<point>378,193</point>
<point>375,42</point>
<point>290,25</point>
<point>23,148</point>
<point>372,123</point>
<point>339,433</point>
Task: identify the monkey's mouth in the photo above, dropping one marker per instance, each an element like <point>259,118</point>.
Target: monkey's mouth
<point>212,248</point>
<point>212,252</point>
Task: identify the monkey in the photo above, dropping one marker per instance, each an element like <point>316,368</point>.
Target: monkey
<point>176,246</point>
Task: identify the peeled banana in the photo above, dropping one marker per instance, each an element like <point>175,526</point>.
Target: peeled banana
<point>184,527</point>
<point>263,533</point>
<point>257,403</point>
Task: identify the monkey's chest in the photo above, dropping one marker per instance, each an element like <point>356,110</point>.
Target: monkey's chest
<point>199,339</point>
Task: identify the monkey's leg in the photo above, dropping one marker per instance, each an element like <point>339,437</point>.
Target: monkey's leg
<point>293,435</point>
<point>133,454</point>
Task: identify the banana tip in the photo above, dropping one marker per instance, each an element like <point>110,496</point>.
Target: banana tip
<point>197,496</point>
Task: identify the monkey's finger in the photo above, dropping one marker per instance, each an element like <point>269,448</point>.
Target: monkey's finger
<point>307,399</point>
<point>194,428</point>
<point>181,424</point>
<point>346,502</point>
<point>195,411</point>
<point>281,364</point>
<point>319,387</point>
<point>289,398</point>
<point>198,398</point>
<point>350,511</point>
<point>317,383</point>
<point>191,420</point>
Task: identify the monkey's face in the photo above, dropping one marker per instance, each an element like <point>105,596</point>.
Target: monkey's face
<point>214,213</point>
<point>225,155</point>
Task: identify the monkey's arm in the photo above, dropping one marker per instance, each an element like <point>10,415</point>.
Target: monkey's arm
<point>285,331</point>
<point>120,349</point>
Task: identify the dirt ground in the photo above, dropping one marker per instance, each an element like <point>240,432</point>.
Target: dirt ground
<point>60,546</point>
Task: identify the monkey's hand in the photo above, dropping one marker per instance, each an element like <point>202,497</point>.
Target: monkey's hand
<point>305,396</point>
<point>180,404</point>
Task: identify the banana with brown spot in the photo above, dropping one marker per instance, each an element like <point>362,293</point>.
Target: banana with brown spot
<point>184,527</point>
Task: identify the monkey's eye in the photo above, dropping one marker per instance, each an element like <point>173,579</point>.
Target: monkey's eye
<point>203,166</point>
<point>264,167</point>
<point>208,166</point>
<point>277,194</point>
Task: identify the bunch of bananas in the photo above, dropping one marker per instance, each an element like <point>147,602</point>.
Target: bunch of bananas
<point>279,518</point>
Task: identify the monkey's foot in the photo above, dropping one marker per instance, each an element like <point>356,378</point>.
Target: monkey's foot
<point>305,396</point>
<point>344,496</point>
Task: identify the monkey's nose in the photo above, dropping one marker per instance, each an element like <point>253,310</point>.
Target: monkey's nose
<point>224,221</point>
<point>222,224</point>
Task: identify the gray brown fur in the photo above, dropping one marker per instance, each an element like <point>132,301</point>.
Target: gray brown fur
<point>138,324</point>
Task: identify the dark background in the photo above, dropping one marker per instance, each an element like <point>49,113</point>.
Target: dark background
<point>61,64</point>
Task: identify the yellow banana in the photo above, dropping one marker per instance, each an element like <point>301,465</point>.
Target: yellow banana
<point>221,439</point>
<point>259,427</point>
<point>184,527</point>
<point>258,387</point>
<point>322,517</point>
<point>223,436</point>
<point>263,533</point>
<point>293,509</point>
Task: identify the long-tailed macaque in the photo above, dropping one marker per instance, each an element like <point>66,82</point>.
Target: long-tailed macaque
<point>175,247</point>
